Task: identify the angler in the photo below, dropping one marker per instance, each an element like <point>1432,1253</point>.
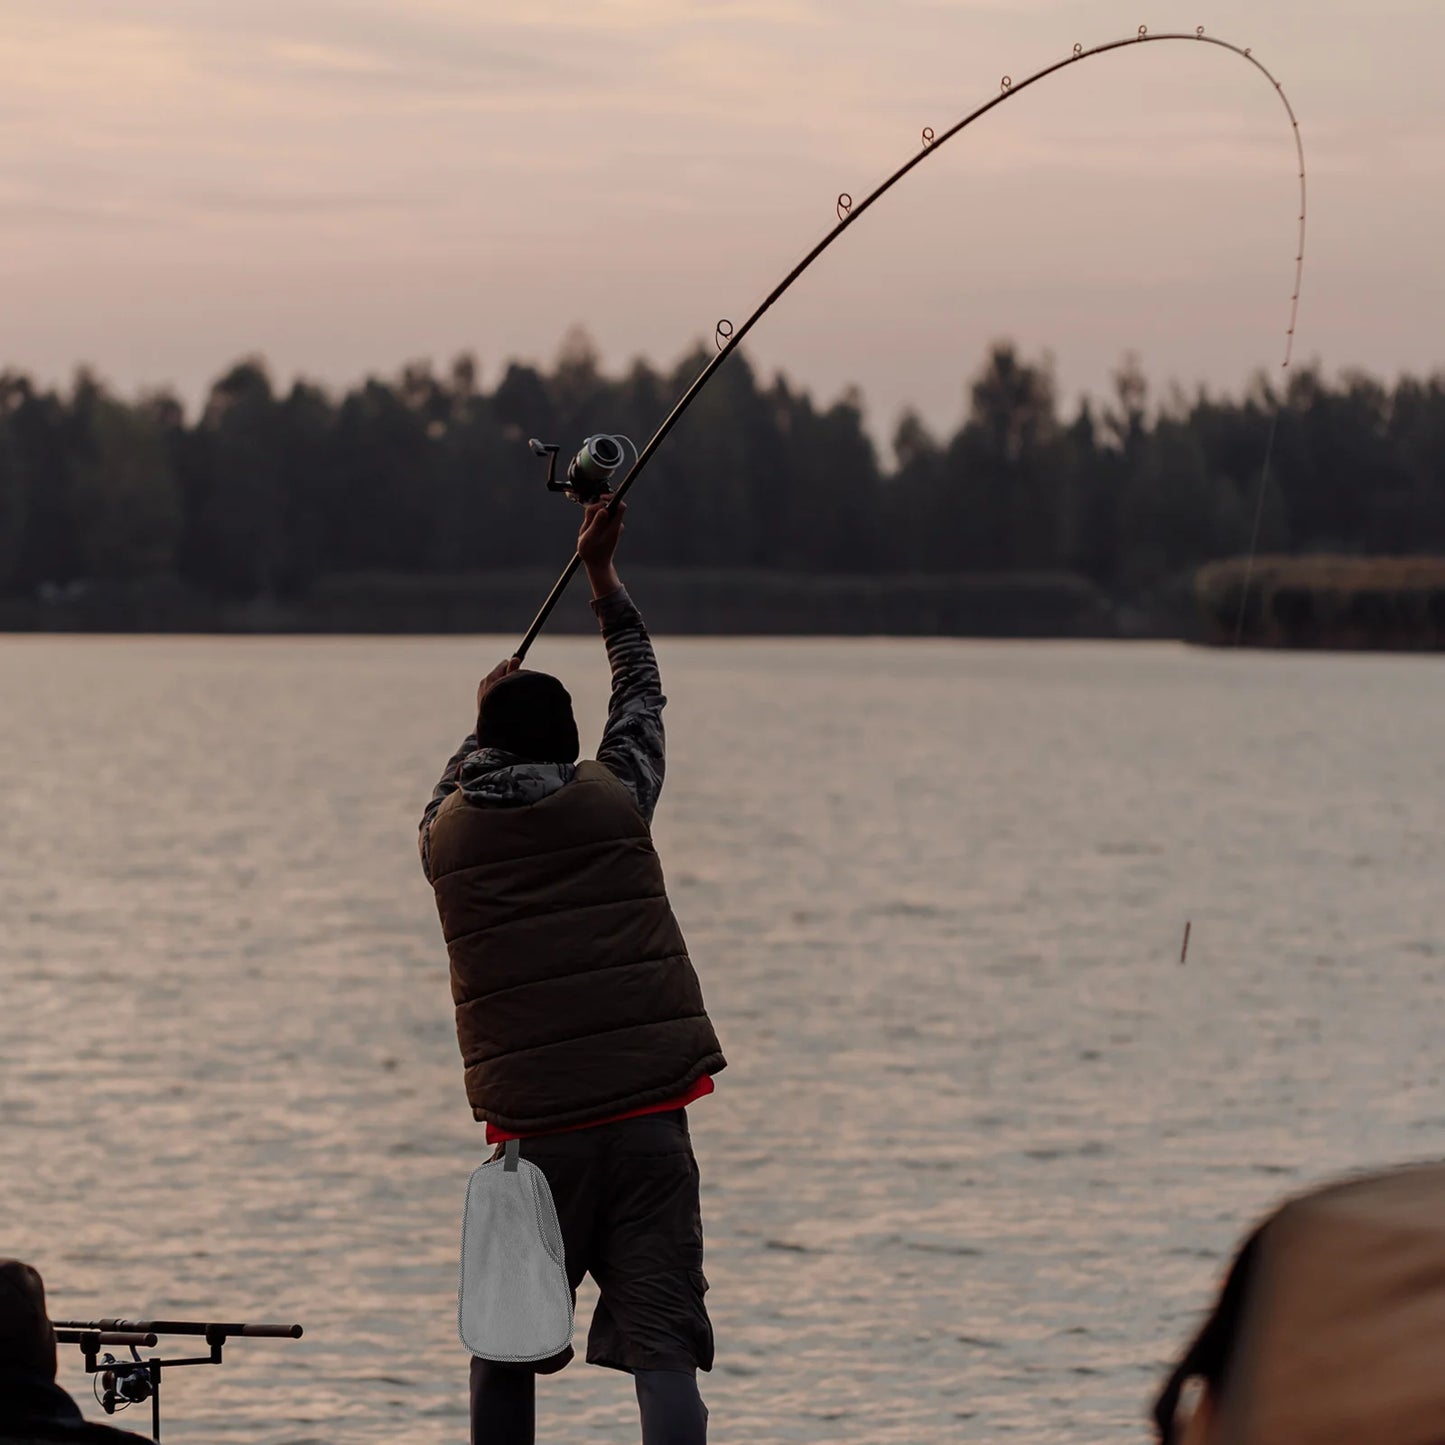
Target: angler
<point>580,1018</point>
<point>579,1015</point>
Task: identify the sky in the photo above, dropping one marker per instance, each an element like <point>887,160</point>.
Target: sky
<point>343,186</point>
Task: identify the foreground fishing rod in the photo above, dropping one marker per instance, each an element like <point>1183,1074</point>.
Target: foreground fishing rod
<point>120,1384</point>
<point>591,471</point>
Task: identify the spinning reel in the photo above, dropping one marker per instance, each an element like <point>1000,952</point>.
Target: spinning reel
<point>589,473</point>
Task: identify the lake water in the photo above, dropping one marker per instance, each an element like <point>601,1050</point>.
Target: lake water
<point>983,1145</point>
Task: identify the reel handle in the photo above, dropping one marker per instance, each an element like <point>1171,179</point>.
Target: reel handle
<point>589,479</point>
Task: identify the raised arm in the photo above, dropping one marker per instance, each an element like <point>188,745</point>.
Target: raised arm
<point>632,742</point>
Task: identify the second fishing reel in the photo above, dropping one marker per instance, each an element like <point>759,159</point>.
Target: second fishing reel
<point>590,472</point>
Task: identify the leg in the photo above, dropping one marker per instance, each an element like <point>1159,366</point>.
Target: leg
<point>672,1410</point>
<point>504,1396</point>
<point>503,1404</point>
<point>648,1253</point>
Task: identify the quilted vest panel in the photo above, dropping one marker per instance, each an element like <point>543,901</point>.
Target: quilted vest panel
<point>575,998</point>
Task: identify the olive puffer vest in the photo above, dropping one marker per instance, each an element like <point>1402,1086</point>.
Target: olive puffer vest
<point>575,997</point>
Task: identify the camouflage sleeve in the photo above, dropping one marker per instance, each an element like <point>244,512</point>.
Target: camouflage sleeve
<point>443,790</point>
<point>632,741</point>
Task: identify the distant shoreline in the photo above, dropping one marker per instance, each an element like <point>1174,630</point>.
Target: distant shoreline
<point>674,601</point>
<point>1306,603</point>
<point>1325,602</point>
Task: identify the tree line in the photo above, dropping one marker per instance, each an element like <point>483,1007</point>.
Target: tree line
<point>266,490</point>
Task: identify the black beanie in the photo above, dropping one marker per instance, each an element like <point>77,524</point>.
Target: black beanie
<point>530,714</point>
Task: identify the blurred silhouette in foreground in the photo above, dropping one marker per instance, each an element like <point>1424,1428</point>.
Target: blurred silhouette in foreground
<point>33,1408</point>
<point>1330,1327</point>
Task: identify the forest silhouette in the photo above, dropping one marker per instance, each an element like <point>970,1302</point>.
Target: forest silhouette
<point>265,492</point>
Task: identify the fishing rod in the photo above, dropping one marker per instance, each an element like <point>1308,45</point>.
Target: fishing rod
<point>123,1383</point>
<point>590,473</point>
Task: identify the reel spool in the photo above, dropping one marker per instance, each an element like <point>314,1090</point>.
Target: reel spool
<point>589,473</point>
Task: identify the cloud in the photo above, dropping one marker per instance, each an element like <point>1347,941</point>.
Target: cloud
<point>363,165</point>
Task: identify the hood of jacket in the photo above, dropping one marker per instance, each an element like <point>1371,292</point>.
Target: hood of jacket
<point>492,778</point>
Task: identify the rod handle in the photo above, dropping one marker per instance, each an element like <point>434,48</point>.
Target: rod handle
<point>189,1327</point>
<point>67,1336</point>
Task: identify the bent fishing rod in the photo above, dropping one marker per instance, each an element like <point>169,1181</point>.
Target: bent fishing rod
<point>591,471</point>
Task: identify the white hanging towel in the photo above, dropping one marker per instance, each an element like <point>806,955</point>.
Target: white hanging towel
<point>514,1305</point>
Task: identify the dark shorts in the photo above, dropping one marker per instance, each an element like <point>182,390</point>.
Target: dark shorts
<point>627,1201</point>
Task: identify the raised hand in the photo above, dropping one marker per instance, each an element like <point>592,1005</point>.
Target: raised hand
<point>597,541</point>
<point>495,675</point>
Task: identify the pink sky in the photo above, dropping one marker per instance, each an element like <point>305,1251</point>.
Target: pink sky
<point>343,185</point>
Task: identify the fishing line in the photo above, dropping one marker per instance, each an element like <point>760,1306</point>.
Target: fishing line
<point>728,337</point>
<point>1299,262</point>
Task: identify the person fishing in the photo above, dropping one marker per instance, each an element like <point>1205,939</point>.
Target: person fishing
<point>580,1018</point>
<point>33,1407</point>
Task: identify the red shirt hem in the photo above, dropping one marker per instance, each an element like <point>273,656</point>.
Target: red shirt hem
<point>704,1086</point>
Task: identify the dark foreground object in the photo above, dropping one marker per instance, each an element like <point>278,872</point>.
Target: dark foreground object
<point>1330,1326</point>
<point>38,1412</point>
<point>1365,603</point>
<point>33,1408</point>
